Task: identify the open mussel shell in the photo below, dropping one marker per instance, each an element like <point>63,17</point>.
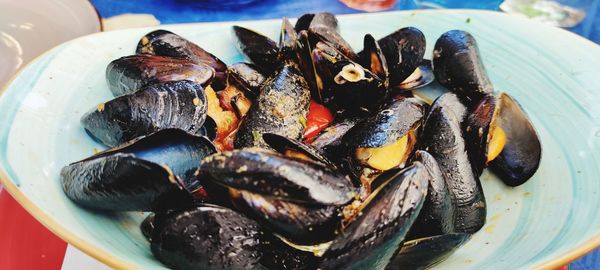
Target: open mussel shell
<point>131,73</point>
<point>272,174</point>
<point>321,19</point>
<point>372,57</point>
<point>208,237</point>
<point>325,25</point>
<point>297,149</point>
<point>180,104</point>
<point>330,139</point>
<point>352,88</point>
<point>384,140</point>
<point>437,215</point>
<point>247,78</point>
<point>279,255</point>
<point>443,138</point>
<point>422,76</point>
<point>165,43</point>
<point>426,252</point>
<point>288,40</point>
<point>371,240</point>
<point>403,51</point>
<point>457,65</point>
<point>148,174</point>
<point>280,108</point>
<point>303,224</point>
<point>261,50</point>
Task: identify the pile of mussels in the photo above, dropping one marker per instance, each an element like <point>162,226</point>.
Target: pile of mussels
<point>311,157</point>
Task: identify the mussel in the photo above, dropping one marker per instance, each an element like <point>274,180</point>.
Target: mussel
<point>261,50</point>
<point>426,252</point>
<point>180,104</point>
<point>325,25</point>
<point>371,240</point>
<point>383,141</point>
<point>437,215</point>
<point>403,51</point>
<point>165,43</point>
<point>148,174</point>
<point>502,137</point>
<point>131,73</point>
<point>443,138</point>
<point>281,108</point>
<point>372,58</point>
<point>208,237</point>
<point>422,76</point>
<point>246,77</point>
<point>458,66</point>
<point>296,149</point>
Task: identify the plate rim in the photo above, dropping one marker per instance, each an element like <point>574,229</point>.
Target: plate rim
<point>112,261</point>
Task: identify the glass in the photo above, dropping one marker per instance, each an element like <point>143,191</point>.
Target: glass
<point>472,4</point>
<point>562,13</point>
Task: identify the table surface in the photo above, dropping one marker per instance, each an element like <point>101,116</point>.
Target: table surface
<point>45,249</point>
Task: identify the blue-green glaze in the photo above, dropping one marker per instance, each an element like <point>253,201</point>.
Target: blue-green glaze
<point>554,74</point>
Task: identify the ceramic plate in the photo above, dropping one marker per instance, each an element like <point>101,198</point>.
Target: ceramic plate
<point>30,27</point>
<point>546,222</point>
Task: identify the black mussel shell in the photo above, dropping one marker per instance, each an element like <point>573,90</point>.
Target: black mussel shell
<point>303,224</point>
<point>393,122</point>
<point>457,65</point>
<point>403,51</point>
<point>247,78</point>
<point>476,128</point>
<point>443,138</point>
<point>298,149</point>
<point>279,255</point>
<point>147,226</point>
<point>325,25</point>
<point>180,104</point>
<point>371,240</point>
<point>372,57</point>
<point>321,19</point>
<point>520,157</point>
<point>208,237</point>
<point>130,73</point>
<point>331,137</point>
<point>426,252</point>
<point>288,40</point>
<point>261,50</point>
<point>334,39</point>
<point>422,76</point>
<point>148,174</point>
<point>437,214</point>
<point>272,174</point>
<point>280,108</point>
<point>165,43</point>
<point>351,87</point>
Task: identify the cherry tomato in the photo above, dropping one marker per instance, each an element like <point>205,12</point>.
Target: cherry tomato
<point>318,118</point>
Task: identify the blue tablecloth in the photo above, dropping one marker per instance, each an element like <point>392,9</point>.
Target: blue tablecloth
<point>184,11</point>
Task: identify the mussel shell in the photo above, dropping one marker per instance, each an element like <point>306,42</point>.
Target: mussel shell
<point>130,73</point>
<point>247,78</point>
<point>272,174</point>
<point>403,51</point>
<point>426,252</point>
<point>325,25</point>
<point>372,57</point>
<point>370,241</point>
<point>443,138</point>
<point>281,256</point>
<point>165,43</point>
<point>281,144</point>
<point>258,48</point>
<point>437,214</point>
<point>417,80</point>
<point>520,158</point>
<point>180,104</point>
<point>332,135</point>
<point>302,224</point>
<point>352,88</point>
<point>147,226</point>
<point>151,173</point>
<point>208,237</point>
<point>457,65</point>
<point>288,40</point>
<point>280,108</point>
<point>477,125</point>
<point>333,38</point>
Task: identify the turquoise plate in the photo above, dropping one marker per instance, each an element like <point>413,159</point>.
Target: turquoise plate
<point>544,223</point>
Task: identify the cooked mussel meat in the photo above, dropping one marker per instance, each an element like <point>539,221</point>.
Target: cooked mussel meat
<point>208,237</point>
<point>443,138</point>
<point>180,104</point>
<point>131,73</point>
<point>383,141</point>
<point>148,174</point>
<point>502,136</point>
<point>165,43</point>
<point>280,108</point>
<point>426,252</point>
<point>403,51</point>
<point>457,65</point>
<point>422,76</point>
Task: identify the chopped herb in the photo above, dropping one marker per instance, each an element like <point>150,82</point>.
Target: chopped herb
<point>303,120</point>
<point>468,19</point>
<point>256,135</point>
